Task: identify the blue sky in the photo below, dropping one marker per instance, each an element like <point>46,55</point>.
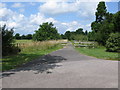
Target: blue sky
<point>26,17</point>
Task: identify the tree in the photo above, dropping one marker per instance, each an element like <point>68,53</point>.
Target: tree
<point>116,22</point>
<point>91,36</point>
<point>68,35</point>
<point>23,37</point>
<point>7,41</point>
<point>46,31</point>
<point>103,24</point>
<point>100,16</point>
<point>86,32</point>
<point>80,37</point>
<point>63,36</point>
<point>79,31</point>
<point>29,36</point>
<point>17,36</point>
<point>101,12</point>
<point>95,26</point>
<point>113,43</point>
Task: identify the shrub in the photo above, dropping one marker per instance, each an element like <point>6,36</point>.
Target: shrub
<point>113,42</point>
<point>7,41</point>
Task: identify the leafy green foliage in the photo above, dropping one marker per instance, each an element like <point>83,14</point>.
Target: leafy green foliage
<point>101,12</point>
<point>80,37</point>
<point>95,26</point>
<point>113,42</point>
<point>117,21</point>
<point>91,36</point>
<point>46,32</point>
<point>29,36</point>
<point>86,32</point>
<point>7,42</point>
<point>79,31</point>
<point>76,35</point>
<point>63,36</point>
<point>23,37</point>
<point>105,24</point>
<point>17,36</point>
<point>68,35</point>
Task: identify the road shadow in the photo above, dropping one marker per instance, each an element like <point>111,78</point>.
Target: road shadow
<point>40,65</point>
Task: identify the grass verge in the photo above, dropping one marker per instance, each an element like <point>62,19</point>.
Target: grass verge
<point>99,53</point>
<point>29,53</point>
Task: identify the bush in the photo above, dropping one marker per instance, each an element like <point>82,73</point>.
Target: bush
<point>7,41</point>
<point>113,42</point>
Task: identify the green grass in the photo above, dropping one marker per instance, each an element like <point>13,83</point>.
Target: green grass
<point>26,55</point>
<point>99,53</point>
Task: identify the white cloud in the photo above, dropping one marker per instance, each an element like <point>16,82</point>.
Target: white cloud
<point>87,10</point>
<point>40,18</point>
<point>58,7</point>
<point>71,26</point>
<point>12,19</point>
<point>21,23</point>
<point>17,5</point>
<point>5,14</point>
<point>84,10</point>
<point>12,24</point>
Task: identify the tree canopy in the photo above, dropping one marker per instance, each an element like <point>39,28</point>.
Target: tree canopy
<point>46,31</point>
<point>7,41</point>
<point>105,24</point>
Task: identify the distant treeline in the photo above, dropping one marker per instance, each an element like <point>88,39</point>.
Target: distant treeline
<point>19,37</point>
<point>47,31</point>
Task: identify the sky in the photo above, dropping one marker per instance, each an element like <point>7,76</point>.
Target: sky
<point>26,17</point>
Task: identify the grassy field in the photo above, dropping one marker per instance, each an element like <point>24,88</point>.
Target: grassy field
<point>30,51</point>
<point>98,53</point>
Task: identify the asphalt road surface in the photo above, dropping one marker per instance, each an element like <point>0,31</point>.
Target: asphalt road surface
<point>65,68</point>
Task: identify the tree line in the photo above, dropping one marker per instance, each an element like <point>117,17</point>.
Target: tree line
<point>19,37</point>
<point>78,35</point>
<point>47,31</point>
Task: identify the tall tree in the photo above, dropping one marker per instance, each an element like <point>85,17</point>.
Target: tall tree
<point>101,12</point>
<point>101,25</point>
